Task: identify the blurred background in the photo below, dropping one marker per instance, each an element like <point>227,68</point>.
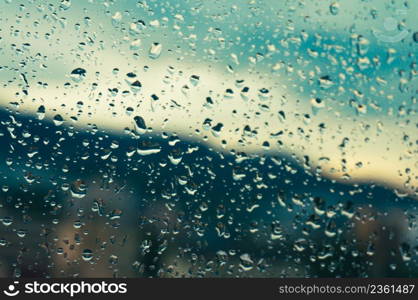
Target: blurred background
<point>208,139</point>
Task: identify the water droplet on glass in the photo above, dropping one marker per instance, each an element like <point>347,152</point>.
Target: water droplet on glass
<point>246,263</point>
<point>40,112</point>
<point>415,37</point>
<point>334,8</point>
<point>155,51</point>
<point>87,255</point>
<point>65,4</point>
<point>140,126</point>
<point>78,74</point>
<point>58,120</point>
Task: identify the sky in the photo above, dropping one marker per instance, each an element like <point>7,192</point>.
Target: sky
<point>323,81</point>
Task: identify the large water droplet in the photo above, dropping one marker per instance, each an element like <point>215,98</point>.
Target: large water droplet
<point>78,74</point>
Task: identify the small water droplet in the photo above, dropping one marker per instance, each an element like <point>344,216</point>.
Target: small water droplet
<point>41,112</point>
<point>65,4</point>
<point>116,18</point>
<point>58,120</point>
<point>87,255</point>
<point>140,126</point>
<point>155,51</point>
<point>334,8</point>
<point>7,221</point>
<point>246,263</point>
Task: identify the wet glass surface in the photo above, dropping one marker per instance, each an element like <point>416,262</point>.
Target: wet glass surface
<point>208,138</point>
